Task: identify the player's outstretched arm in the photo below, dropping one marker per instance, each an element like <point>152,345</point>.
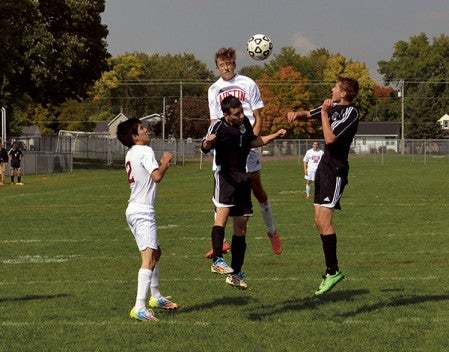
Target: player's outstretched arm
<point>263,140</point>
<point>298,115</point>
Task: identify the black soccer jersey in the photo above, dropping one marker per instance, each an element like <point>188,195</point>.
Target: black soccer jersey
<point>344,121</point>
<point>232,144</point>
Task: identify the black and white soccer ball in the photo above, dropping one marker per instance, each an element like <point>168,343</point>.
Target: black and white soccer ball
<point>259,46</point>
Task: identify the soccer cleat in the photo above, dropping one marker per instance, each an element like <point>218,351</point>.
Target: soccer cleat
<point>236,280</point>
<point>328,283</point>
<point>19,183</point>
<point>276,244</point>
<point>307,197</point>
<point>162,302</point>
<point>220,267</point>
<point>143,315</point>
<point>225,249</point>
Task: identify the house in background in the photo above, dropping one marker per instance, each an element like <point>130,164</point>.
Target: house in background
<point>30,137</point>
<point>105,127</point>
<point>444,122</point>
<point>371,136</point>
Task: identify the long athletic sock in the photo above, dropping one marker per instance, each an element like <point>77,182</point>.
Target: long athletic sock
<point>217,236</point>
<point>330,252</point>
<point>238,249</point>
<point>143,285</point>
<point>154,286</point>
<point>307,190</point>
<point>267,215</point>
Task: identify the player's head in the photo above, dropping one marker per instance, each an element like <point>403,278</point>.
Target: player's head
<point>232,110</point>
<point>349,86</point>
<point>315,145</point>
<point>225,62</point>
<point>127,129</point>
<point>15,145</point>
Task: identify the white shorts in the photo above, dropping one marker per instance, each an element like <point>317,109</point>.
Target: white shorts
<point>310,175</point>
<point>142,223</point>
<point>253,161</point>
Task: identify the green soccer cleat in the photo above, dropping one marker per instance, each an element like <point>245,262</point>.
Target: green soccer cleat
<point>328,283</point>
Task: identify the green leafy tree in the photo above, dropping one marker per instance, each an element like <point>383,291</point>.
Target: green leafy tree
<point>56,49</point>
<point>138,83</point>
<point>422,65</point>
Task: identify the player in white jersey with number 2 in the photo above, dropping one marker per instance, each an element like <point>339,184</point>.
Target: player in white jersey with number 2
<point>247,91</point>
<point>144,174</point>
<point>311,160</point>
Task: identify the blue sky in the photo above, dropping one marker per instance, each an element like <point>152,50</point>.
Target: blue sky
<point>360,30</point>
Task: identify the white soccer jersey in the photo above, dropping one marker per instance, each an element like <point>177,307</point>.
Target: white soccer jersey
<point>312,158</point>
<point>243,88</point>
<point>140,162</point>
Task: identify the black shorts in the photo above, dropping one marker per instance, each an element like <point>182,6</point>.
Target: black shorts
<point>232,190</point>
<point>15,164</point>
<point>330,180</point>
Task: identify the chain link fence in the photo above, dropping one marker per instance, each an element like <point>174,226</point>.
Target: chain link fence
<point>58,154</point>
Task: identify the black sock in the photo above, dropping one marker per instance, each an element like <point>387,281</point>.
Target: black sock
<point>217,236</point>
<point>238,249</point>
<point>12,179</point>
<point>19,178</point>
<point>330,253</point>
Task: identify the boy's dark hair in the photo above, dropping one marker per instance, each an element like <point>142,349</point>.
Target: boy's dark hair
<point>350,86</point>
<point>126,130</point>
<point>226,54</point>
<point>228,103</point>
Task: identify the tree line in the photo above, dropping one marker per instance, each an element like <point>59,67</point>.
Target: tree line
<point>56,73</point>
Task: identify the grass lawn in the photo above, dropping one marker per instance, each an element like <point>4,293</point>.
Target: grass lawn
<point>69,264</point>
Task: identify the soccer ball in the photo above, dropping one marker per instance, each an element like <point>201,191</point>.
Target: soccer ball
<point>259,46</point>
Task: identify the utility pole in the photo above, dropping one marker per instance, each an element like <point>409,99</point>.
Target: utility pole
<point>401,95</point>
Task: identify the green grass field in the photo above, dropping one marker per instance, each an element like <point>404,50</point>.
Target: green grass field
<point>69,264</point>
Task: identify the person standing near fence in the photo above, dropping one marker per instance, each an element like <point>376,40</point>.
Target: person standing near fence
<point>339,120</point>
<point>3,163</point>
<point>311,160</point>
<point>16,155</point>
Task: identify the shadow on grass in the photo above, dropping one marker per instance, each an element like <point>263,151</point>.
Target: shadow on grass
<point>223,301</point>
<point>396,302</point>
<point>33,298</point>
<point>306,303</point>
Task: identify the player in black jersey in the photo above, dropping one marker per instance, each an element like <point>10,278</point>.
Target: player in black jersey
<point>339,119</point>
<point>15,155</point>
<point>232,137</point>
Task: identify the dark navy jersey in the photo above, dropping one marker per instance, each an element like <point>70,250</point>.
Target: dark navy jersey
<point>232,144</point>
<point>344,121</point>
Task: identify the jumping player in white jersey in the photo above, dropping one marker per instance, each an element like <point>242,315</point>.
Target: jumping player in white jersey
<point>339,120</point>
<point>311,160</point>
<point>144,174</point>
<point>247,91</point>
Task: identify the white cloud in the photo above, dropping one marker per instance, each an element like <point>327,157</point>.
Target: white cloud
<point>301,44</point>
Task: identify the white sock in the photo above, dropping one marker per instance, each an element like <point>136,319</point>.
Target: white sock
<point>155,293</point>
<point>308,190</point>
<point>143,285</point>
<point>267,216</point>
